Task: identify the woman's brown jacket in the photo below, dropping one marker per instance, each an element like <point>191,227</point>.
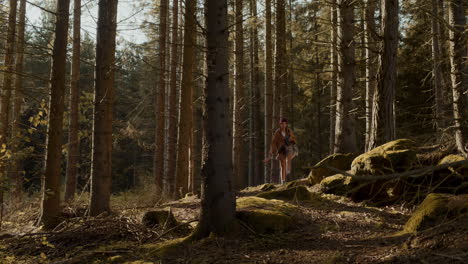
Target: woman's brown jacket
<point>278,140</point>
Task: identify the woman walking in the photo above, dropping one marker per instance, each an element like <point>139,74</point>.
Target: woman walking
<point>283,146</point>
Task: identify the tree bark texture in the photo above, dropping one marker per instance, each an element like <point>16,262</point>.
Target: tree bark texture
<point>383,112</point>
<point>345,138</point>
<point>73,138</point>
<point>218,202</point>
<point>186,101</point>
<point>437,79</point>
<point>160,106</point>
<point>173,113</point>
<point>371,42</point>
<point>17,175</point>
<point>50,206</point>
<point>268,109</point>
<point>334,72</point>
<point>458,61</point>
<point>240,102</point>
<point>9,62</point>
<point>281,73</point>
<point>101,172</point>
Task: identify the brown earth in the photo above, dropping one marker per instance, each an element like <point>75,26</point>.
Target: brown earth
<point>334,230</point>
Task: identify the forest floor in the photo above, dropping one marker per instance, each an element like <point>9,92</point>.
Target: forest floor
<point>334,230</point>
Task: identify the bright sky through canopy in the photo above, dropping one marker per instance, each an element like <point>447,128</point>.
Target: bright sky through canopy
<point>130,17</point>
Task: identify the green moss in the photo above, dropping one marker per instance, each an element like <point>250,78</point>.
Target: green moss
<point>267,216</point>
<point>462,170</point>
<point>338,161</point>
<point>301,182</point>
<point>166,248</point>
<point>299,193</point>
<point>435,209</point>
<point>267,187</point>
<point>394,156</point>
<point>336,184</point>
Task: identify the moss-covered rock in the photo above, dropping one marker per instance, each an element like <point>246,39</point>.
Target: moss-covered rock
<point>339,161</point>
<point>159,218</point>
<point>435,209</point>
<point>296,183</point>
<point>299,193</point>
<point>267,216</point>
<point>461,170</point>
<point>267,187</point>
<point>336,184</point>
<point>394,156</point>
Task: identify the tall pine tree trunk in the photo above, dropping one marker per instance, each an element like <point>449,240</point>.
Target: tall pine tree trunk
<point>240,99</point>
<point>218,204</point>
<point>173,113</point>
<point>280,60</point>
<point>73,139</point>
<point>437,67</point>
<point>158,160</point>
<point>18,101</point>
<point>334,72</point>
<point>268,109</point>
<point>371,61</point>
<point>50,206</point>
<point>458,60</point>
<point>383,112</point>
<point>5,96</point>
<point>345,138</point>
<point>280,75</point>
<point>186,100</point>
<point>257,103</point>
<point>101,173</point>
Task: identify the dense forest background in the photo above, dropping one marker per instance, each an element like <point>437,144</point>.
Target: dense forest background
<point>112,108</point>
<point>307,94</point>
<point>175,104</point>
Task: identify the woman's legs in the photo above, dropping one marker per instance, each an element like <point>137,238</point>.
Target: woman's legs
<point>282,170</point>
<point>289,159</point>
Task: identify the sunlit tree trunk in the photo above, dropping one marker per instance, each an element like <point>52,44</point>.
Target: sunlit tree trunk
<point>240,101</point>
<point>345,138</point>
<point>280,59</point>
<point>5,96</point>
<point>371,62</point>
<point>437,66</point>
<point>334,72</point>
<point>218,202</point>
<point>50,205</point>
<point>383,112</point>
<point>186,100</point>
<point>173,113</point>
<point>17,175</point>
<point>268,109</point>
<point>101,172</point>
<point>159,151</point>
<point>458,61</point>
<point>73,139</point>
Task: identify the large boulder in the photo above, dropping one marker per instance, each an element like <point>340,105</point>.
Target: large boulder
<point>435,209</point>
<point>395,156</point>
<point>267,216</point>
<point>322,169</point>
<point>336,184</point>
